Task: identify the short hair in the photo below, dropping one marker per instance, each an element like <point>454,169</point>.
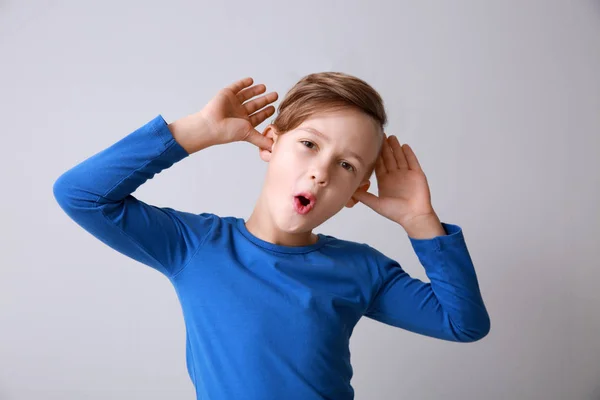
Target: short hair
<point>328,91</point>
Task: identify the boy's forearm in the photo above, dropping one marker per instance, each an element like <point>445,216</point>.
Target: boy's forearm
<point>110,175</point>
<point>192,132</point>
<point>97,195</point>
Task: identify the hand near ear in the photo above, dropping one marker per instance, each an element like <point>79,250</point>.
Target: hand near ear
<point>233,115</point>
<point>403,189</point>
<point>228,117</point>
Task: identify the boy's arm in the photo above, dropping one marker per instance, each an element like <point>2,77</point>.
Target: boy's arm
<point>96,194</point>
<point>450,307</point>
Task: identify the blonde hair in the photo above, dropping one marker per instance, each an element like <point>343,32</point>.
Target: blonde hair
<point>328,91</point>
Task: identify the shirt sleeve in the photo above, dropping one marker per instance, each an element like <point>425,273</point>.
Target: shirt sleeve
<point>450,307</point>
<point>96,194</point>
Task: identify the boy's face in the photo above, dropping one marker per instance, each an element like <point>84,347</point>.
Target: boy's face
<point>315,168</point>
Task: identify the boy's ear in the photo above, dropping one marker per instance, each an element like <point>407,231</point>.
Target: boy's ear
<point>270,132</point>
<point>364,186</point>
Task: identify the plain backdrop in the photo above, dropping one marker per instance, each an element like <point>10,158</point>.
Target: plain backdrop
<point>499,99</point>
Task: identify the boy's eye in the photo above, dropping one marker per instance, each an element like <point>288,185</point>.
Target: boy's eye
<point>347,166</point>
<point>309,143</point>
<point>344,164</point>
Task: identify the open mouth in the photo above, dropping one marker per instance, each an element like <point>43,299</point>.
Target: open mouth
<point>304,202</point>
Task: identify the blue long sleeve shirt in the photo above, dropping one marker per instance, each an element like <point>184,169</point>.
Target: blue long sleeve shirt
<point>266,321</point>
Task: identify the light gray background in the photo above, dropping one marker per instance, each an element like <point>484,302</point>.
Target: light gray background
<point>499,99</point>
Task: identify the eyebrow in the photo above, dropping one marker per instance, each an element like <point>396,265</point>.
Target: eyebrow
<point>325,138</point>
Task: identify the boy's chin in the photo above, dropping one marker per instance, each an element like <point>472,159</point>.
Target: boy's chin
<point>303,224</point>
<point>295,224</point>
<point>288,225</point>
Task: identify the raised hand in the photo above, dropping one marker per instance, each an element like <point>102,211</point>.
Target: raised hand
<point>230,116</point>
<point>404,195</point>
<point>233,118</point>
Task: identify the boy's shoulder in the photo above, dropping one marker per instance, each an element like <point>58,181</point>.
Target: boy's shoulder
<point>360,251</point>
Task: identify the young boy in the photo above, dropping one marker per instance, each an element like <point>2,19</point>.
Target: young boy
<point>269,306</point>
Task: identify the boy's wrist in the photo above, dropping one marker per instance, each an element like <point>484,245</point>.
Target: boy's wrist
<point>192,132</point>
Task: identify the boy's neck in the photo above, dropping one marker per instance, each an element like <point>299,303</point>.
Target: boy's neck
<point>261,225</point>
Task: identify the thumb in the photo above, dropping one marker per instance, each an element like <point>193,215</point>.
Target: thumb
<point>369,199</point>
<point>257,139</point>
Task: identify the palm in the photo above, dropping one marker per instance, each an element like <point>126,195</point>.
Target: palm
<point>403,191</point>
<point>403,194</point>
<point>232,117</point>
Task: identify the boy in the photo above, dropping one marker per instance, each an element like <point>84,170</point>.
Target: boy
<point>269,306</point>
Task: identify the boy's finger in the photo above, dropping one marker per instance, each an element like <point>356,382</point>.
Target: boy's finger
<point>259,140</point>
<point>260,102</point>
<point>369,199</point>
<point>250,92</point>
<point>380,166</point>
<point>239,85</point>
<point>411,158</point>
<point>259,117</point>
<point>388,156</point>
<point>398,153</point>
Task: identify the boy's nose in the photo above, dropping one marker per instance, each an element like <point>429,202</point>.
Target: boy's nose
<point>320,176</point>
<point>320,181</point>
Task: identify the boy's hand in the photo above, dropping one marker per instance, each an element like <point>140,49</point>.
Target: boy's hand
<point>404,195</point>
<point>227,118</point>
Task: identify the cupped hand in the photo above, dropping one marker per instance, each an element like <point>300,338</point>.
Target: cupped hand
<point>233,115</point>
<point>404,194</point>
